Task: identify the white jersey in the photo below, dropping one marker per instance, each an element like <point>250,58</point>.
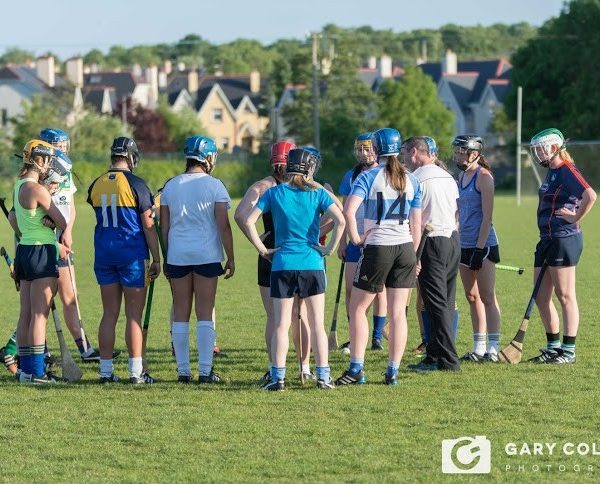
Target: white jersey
<point>439,193</point>
<point>194,237</point>
<point>63,199</point>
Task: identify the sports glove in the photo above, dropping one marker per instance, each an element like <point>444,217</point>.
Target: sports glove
<point>477,259</point>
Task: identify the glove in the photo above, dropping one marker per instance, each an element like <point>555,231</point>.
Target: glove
<point>477,259</point>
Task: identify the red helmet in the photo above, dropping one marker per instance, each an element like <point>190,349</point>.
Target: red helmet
<point>279,152</point>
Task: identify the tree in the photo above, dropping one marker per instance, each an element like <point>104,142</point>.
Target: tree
<point>94,133</point>
<point>14,55</point>
<point>149,128</point>
<point>180,125</point>
<point>412,106</point>
<point>94,56</point>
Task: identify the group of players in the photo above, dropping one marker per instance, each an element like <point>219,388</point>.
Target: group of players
<point>394,191</point>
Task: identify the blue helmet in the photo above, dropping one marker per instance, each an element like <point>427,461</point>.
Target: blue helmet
<point>56,137</point>
<point>431,145</point>
<point>387,141</point>
<point>203,149</point>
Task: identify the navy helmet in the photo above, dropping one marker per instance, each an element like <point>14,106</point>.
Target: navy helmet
<point>303,161</point>
<point>123,146</point>
<point>387,141</point>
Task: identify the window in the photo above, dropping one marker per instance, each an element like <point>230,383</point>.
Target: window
<point>225,144</point>
<point>217,115</point>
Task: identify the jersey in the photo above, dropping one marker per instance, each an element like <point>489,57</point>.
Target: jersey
<point>386,210</point>
<point>267,219</point>
<point>194,237</point>
<point>29,220</point>
<point>563,187</point>
<point>346,189</point>
<point>470,214</point>
<point>439,193</point>
<point>296,215</point>
<point>63,198</point>
<point>119,198</point>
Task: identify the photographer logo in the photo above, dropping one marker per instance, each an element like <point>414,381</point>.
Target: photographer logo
<point>467,455</point>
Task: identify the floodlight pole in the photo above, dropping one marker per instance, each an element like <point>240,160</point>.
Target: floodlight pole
<point>519,121</point>
<point>315,86</point>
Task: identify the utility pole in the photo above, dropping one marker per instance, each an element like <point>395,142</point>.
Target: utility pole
<point>315,81</point>
<point>518,160</point>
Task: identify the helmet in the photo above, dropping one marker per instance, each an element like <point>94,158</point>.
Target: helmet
<point>123,146</point>
<point>387,141</point>
<point>363,149</point>
<point>469,142</point>
<point>431,145</point>
<point>303,161</point>
<point>203,149</point>
<point>60,167</point>
<point>56,137</point>
<point>317,154</point>
<point>545,144</point>
<point>279,152</point>
<point>35,148</point>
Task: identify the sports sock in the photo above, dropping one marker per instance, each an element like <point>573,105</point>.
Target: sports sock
<point>135,367</point>
<point>323,373</point>
<point>392,368</point>
<point>378,324</point>
<point>180,332</point>
<point>11,345</point>
<point>568,344</point>
<point>25,359</point>
<point>426,326</point>
<point>205,338</point>
<point>277,373</point>
<point>356,365</point>
<point>106,367</point>
<point>80,345</point>
<point>493,343</point>
<point>553,341</point>
<point>455,324</point>
<point>37,360</point>
<point>479,343</point>
<point>305,368</point>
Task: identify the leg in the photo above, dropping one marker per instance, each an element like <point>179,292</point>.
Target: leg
<point>182,290</point>
<point>111,295</point>
<point>350,270</point>
<point>299,311</point>
<point>315,311</point>
<point>265,295</point>
<point>478,317</point>
<point>67,297</point>
<point>135,299</point>
<point>205,292</point>
<point>397,300</point>
<point>23,326</point>
<point>41,293</point>
<point>543,301</point>
<point>486,282</point>
<point>360,300</point>
<point>282,311</point>
<point>379,313</point>
<point>564,288</point>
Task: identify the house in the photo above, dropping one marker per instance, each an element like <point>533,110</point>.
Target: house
<point>227,106</point>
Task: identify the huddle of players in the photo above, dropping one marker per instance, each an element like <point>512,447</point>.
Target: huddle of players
<point>384,212</point>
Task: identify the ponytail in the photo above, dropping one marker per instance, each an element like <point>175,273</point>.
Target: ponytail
<point>481,161</point>
<point>301,182</point>
<point>565,156</point>
<point>396,173</point>
<point>278,173</point>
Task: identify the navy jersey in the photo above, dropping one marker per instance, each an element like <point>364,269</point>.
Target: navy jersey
<point>563,187</point>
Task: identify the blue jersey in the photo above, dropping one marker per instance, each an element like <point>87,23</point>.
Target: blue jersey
<point>563,187</point>
<point>386,209</point>
<point>470,214</point>
<point>346,189</point>
<point>296,216</point>
<point>119,198</point>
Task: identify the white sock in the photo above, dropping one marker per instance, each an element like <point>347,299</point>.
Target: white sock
<point>181,342</point>
<point>493,343</point>
<point>205,339</point>
<point>479,343</point>
<point>135,367</point>
<point>106,367</point>
<point>305,369</point>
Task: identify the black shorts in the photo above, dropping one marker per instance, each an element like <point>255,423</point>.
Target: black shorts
<point>286,284</point>
<point>386,265</point>
<point>214,269</point>
<point>36,262</point>
<point>559,251</point>
<point>264,272</point>
<point>493,255</point>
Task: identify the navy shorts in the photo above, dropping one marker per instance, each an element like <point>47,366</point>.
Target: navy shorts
<point>386,265</point>
<point>286,284</point>
<point>353,252</point>
<point>493,255</point>
<point>264,272</point>
<point>35,262</point>
<point>130,274</point>
<point>63,262</point>
<point>214,269</point>
<point>559,251</point>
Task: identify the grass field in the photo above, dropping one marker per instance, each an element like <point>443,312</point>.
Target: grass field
<point>371,433</point>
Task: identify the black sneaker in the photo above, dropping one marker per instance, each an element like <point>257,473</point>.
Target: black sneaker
<point>50,361</point>
<point>325,384</point>
<point>266,378</point>
<point>143,379</point>
<point>490,357</point>
<point>212,377</point>
<point>48,378</point>
<point>425,366</point>
<point>350,378</point>
<point>185,378</point>
<point>109,379</point>
<point>274,386</point>
<point>56,378</point>
<point>94,356</point>
<point>563,358</point>
<point>376,344</point>
<point>545,356</point>
<point>473,357</point>
<point>390,379</point>
<point>345,345</point>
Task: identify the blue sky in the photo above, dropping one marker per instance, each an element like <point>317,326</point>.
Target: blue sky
<point>81,25</point>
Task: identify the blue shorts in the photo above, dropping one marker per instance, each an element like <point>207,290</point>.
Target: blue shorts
<point>352,252</point>
<point>132,274</point>
<point>286,284</point>
<point>214,269</point>
<point>559,251</point>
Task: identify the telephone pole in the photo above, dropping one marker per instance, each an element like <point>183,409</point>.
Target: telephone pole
<point>315,86</point>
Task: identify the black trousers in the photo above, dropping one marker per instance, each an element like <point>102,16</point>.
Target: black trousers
<point>437,280</point>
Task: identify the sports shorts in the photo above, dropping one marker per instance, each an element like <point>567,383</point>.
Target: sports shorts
<point>36,262</point>
<point>492,254</point>
<point>131,274</point>
<point>559,251</point>
<point>213,269</point>
<point>264,272</point>
<point>63,262</point>
<point>386,265</point>
<point>352,253</point>
<point>286,284</point>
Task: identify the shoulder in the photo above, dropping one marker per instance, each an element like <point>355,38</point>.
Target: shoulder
<point>263,185</point>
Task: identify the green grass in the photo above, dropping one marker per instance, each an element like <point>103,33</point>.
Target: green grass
<point>371,433</point>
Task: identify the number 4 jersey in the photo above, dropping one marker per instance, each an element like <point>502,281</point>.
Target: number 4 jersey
<point>386,209</point>
<point>118,198</point>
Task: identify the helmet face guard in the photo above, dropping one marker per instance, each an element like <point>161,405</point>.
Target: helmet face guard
<point>127,148</point>
<point>463,145</point>
<point>38,149</point>
<point>364,151</point>
<point>302,161</point>
<point>60,167</point>
<point>545,145</point>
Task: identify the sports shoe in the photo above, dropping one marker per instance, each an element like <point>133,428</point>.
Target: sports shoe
<point>563,358</point>
<point>420,349</point>
<point>326,384</point>
<point>307,376</point>
<point>490,357</point>
<point>94,356</point>
<point>212,377</point>
<point>473,357</point>
<point>50,361</point>
<point>143,379</point>
<point>545,356</point>
<point>23,377</point>
<point>345,348</point>
<point>376,344</point>
<point>350,378</point>
<point>53,376</point>
<point>266,378</point>
<point>109,379</point>
<point>48,378</point>
<point>185,378</point>
<point>390,379</point>
<point>424,366</point>
<point>274,386</point>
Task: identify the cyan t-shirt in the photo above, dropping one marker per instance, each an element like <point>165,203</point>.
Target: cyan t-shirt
<point>296,215</point>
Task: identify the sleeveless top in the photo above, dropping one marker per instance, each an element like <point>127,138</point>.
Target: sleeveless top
<point>470,214</point>
<point>268,226</point>
<point>33,231</point>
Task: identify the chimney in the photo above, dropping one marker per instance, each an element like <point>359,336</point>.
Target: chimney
<point>168,67</point>
<point>75,71</point>
<point>136,70</point>
<point>254,81</point>
<point>94,68</point>
<point>385,67</point>
<point>44,67</point>
<point>192,84</point>
<point>449,63</point>
<point>162,80</point>
<point>151,75</point>
<point>372,62</point>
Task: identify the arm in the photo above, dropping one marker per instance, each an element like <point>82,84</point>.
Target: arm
<point>165,225</point>
<point>341,252</point>
<point>67,236</point>
<point>486,187</point>
<point>12,220</point>
<point>352,204</point>
<point>44,200</point>
<point>252,234</point>
<point>152,241</point>
<point>339,223</point>
<point>222,218</point>
<point>248,202</point>
<point>414,219</point>
<point>588,198</point>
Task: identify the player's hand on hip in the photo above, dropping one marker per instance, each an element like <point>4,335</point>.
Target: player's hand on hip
<point>229,268</point>
<point>268,253</point>
<point>322,250</point>
<point>566,214</point>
